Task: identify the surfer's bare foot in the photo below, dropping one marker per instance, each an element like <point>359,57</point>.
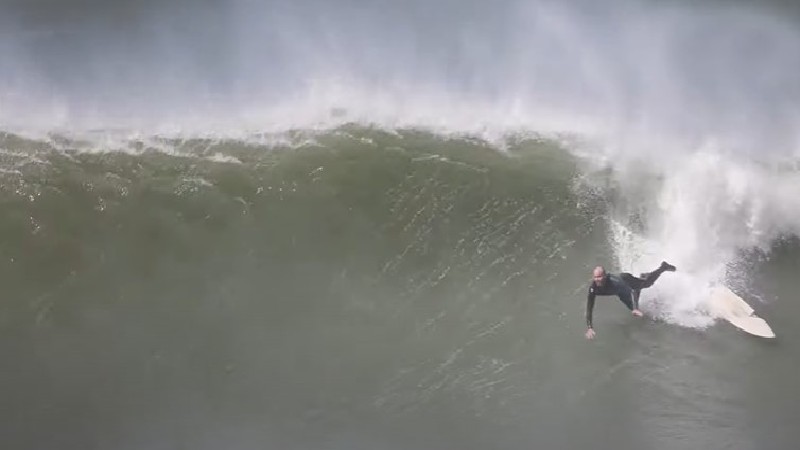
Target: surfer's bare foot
<point>636,313</point>
<point>590,334</point>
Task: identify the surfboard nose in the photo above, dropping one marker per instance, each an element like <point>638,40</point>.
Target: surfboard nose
<point>725,304</point>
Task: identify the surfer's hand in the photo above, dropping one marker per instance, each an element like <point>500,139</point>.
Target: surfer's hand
<point>590,334</point>
<point>636,313</point>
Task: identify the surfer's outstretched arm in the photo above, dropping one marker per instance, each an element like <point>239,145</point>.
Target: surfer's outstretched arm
<point>627,299</point>
<point>589,309</point>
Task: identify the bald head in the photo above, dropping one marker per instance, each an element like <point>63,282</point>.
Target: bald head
<point>599,275</point>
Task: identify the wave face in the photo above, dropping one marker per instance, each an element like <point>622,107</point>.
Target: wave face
<point>367,224</point>
<point>355,288</point>
<point>331,278</point>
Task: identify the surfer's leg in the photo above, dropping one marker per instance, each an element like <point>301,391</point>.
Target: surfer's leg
<point>632,281</point>
<point>649,278</point>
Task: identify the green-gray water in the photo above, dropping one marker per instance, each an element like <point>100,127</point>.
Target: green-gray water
<point>361,290</point>
<point>346,225</point>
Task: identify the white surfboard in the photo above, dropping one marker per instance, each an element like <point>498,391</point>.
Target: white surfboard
<point>724,304</point>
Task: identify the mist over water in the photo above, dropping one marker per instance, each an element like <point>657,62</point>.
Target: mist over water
<point>659,71</point>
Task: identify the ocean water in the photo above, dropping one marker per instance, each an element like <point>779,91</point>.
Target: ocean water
<point>371,225</point>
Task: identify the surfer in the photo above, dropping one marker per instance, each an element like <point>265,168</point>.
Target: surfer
<point>625,286</point>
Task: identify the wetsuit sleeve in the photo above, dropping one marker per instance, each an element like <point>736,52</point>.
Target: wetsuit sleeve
<point>627,299</point>
<point>589,307</point>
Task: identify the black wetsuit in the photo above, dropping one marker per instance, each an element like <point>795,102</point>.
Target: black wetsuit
<point>625,286</point>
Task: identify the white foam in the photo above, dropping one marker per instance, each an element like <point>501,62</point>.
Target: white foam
<point>708,208</point>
